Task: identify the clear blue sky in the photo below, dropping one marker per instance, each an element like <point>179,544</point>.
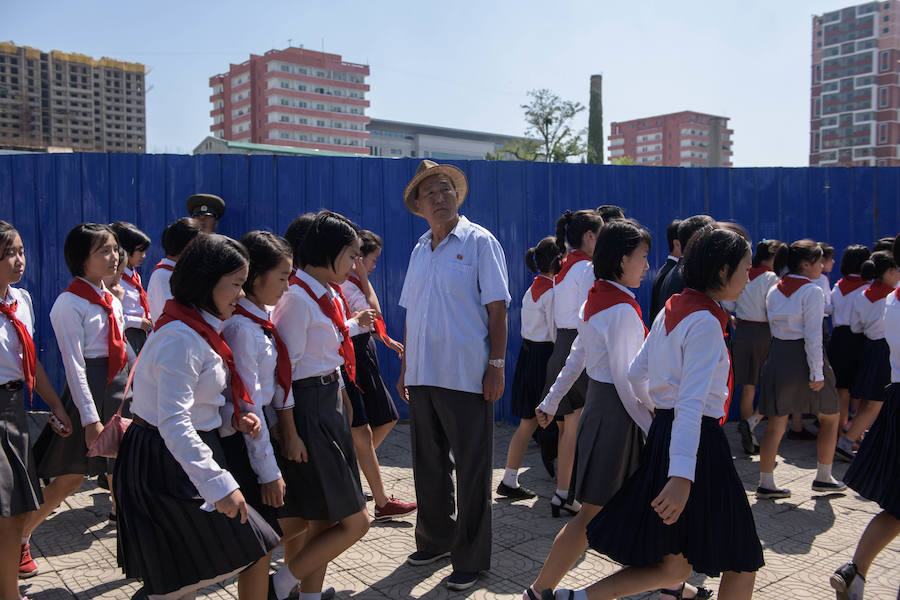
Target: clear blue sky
<point>469,64</point>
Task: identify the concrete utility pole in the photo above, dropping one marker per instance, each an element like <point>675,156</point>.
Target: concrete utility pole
<point>595,121</point>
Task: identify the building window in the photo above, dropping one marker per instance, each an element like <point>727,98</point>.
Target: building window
<point>885,60</point>
<point>883,97</point>
<point>816,142</point>
<point>882,133</point>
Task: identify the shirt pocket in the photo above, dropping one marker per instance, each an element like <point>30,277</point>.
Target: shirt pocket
<point>457,280</point>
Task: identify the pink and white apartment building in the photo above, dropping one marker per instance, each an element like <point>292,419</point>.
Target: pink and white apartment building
<point>293,97</point>
<point>682,139</point>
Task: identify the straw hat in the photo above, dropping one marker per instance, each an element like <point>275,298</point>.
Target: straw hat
<point>427,168</point>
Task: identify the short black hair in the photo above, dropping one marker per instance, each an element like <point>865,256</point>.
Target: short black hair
<point>329,234</point>
<point>877,264</point>
<point>617,239</point>
<point>572,226</point>
<point>885,243</point>
<point>7,233</point>
<point>672,234</point>
<point>709,250</point>
<point>266,251</point>
<point>804,250</point>
<point>611,212</point>
<point>690,226</point>
<point>737,228</point>
<point>130,237</point>
<point>827,250</point>
<point>81,241</point>
<point>853,258</point>
<point>203,263</point>
<point>369,242</point>
<point>295,233</point>
<point>176,236</point>
<point>543,258</point>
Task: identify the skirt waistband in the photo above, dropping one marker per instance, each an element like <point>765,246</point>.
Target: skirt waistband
<point>669,415</point>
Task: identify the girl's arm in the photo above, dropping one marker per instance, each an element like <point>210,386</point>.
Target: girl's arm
<point>45,389</point>
<point>813,306</point>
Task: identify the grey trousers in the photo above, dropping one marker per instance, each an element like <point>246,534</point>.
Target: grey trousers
<point>441,420</point>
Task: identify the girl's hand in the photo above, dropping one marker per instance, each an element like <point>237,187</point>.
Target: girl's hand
<point>92,432</point>
<point>247,423</point>
<point>273,493</point>
<point>233,505</point>
<point>146,325</point>
<point>365,317</point>
<point>294,449</point>
<point>60,422</point>
<point>671,500</point>
<point>395,346</point>
<point>816,385</point>
<point>543,418</point>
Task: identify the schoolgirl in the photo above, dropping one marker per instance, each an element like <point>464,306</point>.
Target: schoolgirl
<point>113,283</point>
<point>184,523</point>
<point>317,459</point>
<point>374,412</point>
<point>20,372</point>
<point>685,507</point>
<point>571,285</point>
<point>175,238</point>
<point>845,346</point>
<point>796,377</point>
<point>752,336</point>
<point>874,372</point>
<point>616,417</point>
<point>875,471</point>
<point>135,305</point>
<point>88,323</point>
<point>538,332</point>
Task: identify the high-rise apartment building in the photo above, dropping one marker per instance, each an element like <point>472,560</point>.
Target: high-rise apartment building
<point>71,101</point>
<point>293,97</point>
<point>682,139</point>
<point>855,96</point>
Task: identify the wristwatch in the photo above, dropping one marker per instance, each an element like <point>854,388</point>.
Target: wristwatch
<point>497,362</point>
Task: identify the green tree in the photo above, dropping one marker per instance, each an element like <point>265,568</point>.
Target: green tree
<point>521,150</point>
<point>549,119</point>
<point>622,160</point>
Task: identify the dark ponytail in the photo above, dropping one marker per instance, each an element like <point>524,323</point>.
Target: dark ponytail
<point>766,250</point>
<point>853,258</point>
<point>543,258</point>
<point>803,251</point>
<point>572,226</point>
<point>877,265</point>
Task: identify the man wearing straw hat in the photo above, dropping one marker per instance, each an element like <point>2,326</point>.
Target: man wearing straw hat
<point>455,295</point>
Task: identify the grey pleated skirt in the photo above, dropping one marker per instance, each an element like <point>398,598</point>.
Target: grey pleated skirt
<point>750,347</point>
<point>57,455</point>
<point>608,447</point>
<point>575,397</point>
<point>784,385</point>
<point>326,487</point>
<point>20,489</point>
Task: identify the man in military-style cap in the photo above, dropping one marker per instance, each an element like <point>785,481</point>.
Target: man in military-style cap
<point>207,209</point>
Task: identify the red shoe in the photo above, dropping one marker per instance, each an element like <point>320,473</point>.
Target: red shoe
<point>394,508</point>
<point>27,566</point>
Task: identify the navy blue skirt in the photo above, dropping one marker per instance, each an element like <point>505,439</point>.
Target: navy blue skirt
<point>373,403</point>
<point>874,371</point>
<point>234,448</point>
<point>529,377</point>
<point>715,532</point>
<point>844,349</point>
<point>875,472</point>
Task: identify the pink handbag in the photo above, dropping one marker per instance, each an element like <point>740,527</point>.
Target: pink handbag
<point>107,443</point>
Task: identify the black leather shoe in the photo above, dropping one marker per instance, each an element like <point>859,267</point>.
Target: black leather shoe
<point>514,493</point>
<point>461,580</point>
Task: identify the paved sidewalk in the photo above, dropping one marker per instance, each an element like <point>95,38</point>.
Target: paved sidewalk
<point>804,538</point>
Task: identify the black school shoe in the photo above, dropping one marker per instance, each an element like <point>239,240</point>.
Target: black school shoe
<point>461,580</point>
<point>827,486</point>
<point>848,584</point>
<point>514,493</point>
<point>420,557</point>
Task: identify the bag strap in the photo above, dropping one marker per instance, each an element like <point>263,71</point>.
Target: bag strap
<point>128,384</point>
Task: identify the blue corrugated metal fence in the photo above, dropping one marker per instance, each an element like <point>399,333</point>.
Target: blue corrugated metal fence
<point>44,196</point>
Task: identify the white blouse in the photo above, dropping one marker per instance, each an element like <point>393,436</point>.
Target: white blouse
<point>158,289</point>
<point>311,338</point>
<point>751,304</point>
<point>255,358</point>
<point>357,301</point>
<point>892,333</point>
<point>178,387</point>
<point>537,317</point>
<point>81,332</point>
<point>570,293</point>
<point>10,347</point>
<point>868,317</point>
<point>605,346</point>
<point>689,373</point>
<point>842,306</point>
<point>824,283</point>
<point>800,318</point>
<point>131,302</point>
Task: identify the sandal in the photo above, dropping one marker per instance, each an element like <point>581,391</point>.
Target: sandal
<point>702,593</point>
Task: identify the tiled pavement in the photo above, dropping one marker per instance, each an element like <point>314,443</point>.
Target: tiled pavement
<point>804,539</point>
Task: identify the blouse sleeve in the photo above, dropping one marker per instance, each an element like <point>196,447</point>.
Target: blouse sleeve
<point>67,321</point>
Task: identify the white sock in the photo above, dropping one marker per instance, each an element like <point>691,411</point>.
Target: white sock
<point>767,481</point>
<point>511,478</point>
<point>823,473</point>
<point>26,540</point>
<point>311,596</point>
<point>562,493</point>
<point>284,581</point>
<point>577,595</point>
<point>753,421</point>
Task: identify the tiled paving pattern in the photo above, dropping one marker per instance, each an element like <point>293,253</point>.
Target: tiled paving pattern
<point>805,538</point>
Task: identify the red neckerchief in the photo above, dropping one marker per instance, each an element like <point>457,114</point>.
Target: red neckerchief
<point>134,280</point>
<point>789,285</point>
<point>603,295</point>
<point>331,310</point>
<point>175,311</point>
<point>877,290</point>
<point>380,326</point>
<point>540,286</point>
<point>850,283</point>
<point>690,301</point>
<point>118,357</point>
<point>344,304</point>
<point>571,259</point>
<point>283,359</point>
<point>757,271</point>
<point>29,358</point>
<point>162,265</point>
